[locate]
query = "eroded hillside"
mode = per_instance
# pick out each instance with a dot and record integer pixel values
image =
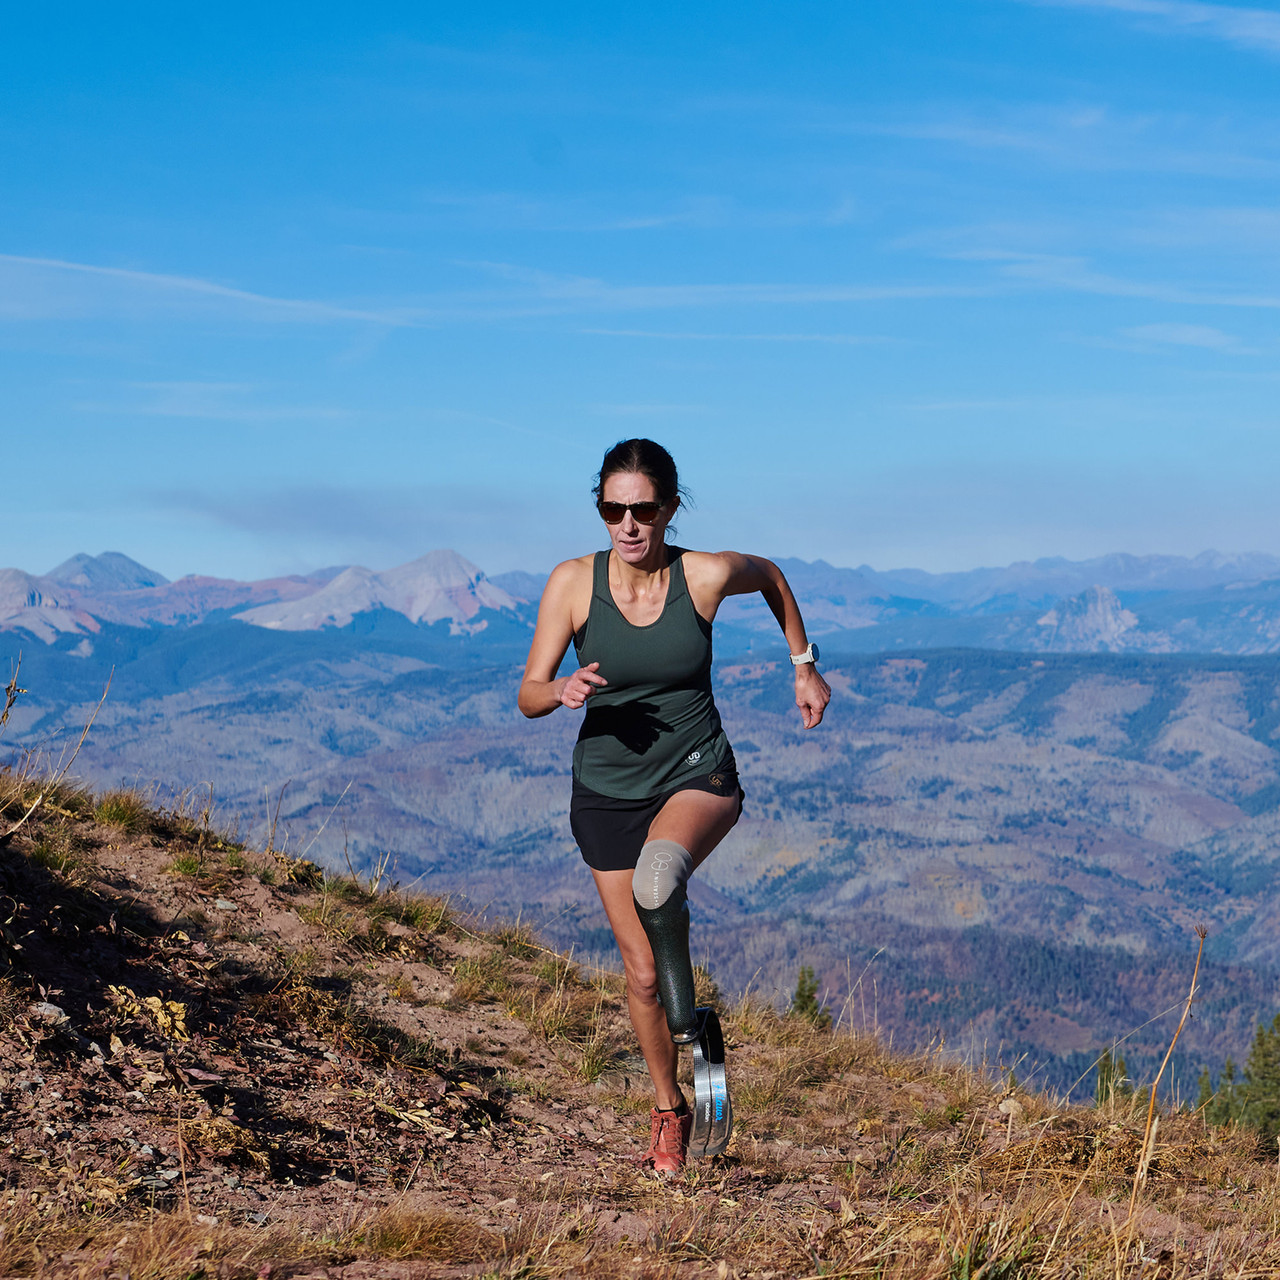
(217, 1061)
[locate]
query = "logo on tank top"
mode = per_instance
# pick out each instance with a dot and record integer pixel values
(693, 757)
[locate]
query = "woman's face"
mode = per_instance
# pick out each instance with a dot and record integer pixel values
(635, 542)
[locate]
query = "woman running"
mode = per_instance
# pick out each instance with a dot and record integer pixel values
(655, 785)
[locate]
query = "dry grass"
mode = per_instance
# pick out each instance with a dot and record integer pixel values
(443, 1237)
(848, 1161)
(347, 1024)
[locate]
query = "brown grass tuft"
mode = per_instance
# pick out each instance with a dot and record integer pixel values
(431, 1236)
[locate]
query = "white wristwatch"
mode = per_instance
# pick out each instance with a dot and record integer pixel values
(809, 655)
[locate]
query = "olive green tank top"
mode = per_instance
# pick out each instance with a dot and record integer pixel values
(655, 722)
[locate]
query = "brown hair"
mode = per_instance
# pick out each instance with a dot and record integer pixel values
(645, 458)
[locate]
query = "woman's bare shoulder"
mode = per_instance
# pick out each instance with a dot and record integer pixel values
(569, 583)
(570, 572)
(709, 568)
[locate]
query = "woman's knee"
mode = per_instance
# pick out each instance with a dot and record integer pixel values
(642, 981)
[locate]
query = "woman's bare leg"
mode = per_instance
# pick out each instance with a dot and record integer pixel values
(698, 821)
(647, 1017)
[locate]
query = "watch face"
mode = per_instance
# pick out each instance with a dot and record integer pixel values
(813, 649)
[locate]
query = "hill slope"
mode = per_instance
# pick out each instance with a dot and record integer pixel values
(221, 1062)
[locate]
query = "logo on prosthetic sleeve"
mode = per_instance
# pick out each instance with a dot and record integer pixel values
(660, 874)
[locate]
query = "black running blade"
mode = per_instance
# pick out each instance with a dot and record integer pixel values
(712, 1108)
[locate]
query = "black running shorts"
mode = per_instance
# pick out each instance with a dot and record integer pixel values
(611, 832)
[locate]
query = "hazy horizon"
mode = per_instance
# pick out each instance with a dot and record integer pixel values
(544, 569)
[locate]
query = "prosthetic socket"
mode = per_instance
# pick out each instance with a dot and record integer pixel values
(663, 907)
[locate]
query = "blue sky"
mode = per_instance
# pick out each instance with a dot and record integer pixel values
(899, 283)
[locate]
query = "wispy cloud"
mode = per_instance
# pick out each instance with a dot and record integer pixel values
(1187, 335)
(1246, 28)
(839, 339)
(649, 410)
(380, 525)
(1091, 137)
(219, 401)
(591, 293)
(20, 303)
(29, 290)
(1078, 276)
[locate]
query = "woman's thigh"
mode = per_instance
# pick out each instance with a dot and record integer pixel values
(697, 820)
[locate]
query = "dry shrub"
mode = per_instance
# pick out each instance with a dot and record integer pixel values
(434, 1235)
(226, 1140)
(295, 1002)
(11, 1002)
(400, 985)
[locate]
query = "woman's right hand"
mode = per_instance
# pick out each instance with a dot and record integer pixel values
(577, 687)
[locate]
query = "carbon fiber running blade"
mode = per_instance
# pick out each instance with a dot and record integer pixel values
(712, 1108)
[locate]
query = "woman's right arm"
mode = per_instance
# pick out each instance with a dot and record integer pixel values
(540, 691)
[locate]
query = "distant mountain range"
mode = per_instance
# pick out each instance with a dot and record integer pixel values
(86, 591)
(1013, 846)
(1115, 603)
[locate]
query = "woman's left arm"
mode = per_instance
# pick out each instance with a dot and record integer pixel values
(735, 574)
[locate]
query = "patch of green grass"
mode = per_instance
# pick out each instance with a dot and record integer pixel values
(557, 971)
(125, 810)
(478, 979)
(186, 864)
(517, 940)
(428, 915)
(57, 849)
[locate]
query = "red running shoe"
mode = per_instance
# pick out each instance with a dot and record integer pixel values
(668, 1142)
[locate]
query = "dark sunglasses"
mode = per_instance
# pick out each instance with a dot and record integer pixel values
(641, 512)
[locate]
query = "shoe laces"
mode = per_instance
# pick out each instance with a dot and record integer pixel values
(666, 1133)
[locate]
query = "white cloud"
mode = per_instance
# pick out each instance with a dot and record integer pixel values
(1246, 28)
(1186, 335)
(24, 294)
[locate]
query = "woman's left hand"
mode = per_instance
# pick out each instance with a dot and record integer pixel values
(812, 694)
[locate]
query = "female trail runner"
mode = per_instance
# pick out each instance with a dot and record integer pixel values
(655, 785)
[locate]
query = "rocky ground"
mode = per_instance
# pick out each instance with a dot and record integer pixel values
(216, 1061)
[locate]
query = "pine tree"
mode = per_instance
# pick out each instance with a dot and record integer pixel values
(1262, 1081)
(805, 1002)
(1221, 1105)
(1205, 1097)
(1113, 1079)
(1106, 1078)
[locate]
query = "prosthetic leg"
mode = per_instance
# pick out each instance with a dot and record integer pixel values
(663, 907)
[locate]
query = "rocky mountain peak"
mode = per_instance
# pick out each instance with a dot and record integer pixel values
(1095, 620)
(110, 571)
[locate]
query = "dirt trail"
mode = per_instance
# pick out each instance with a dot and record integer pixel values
(216, 1062)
